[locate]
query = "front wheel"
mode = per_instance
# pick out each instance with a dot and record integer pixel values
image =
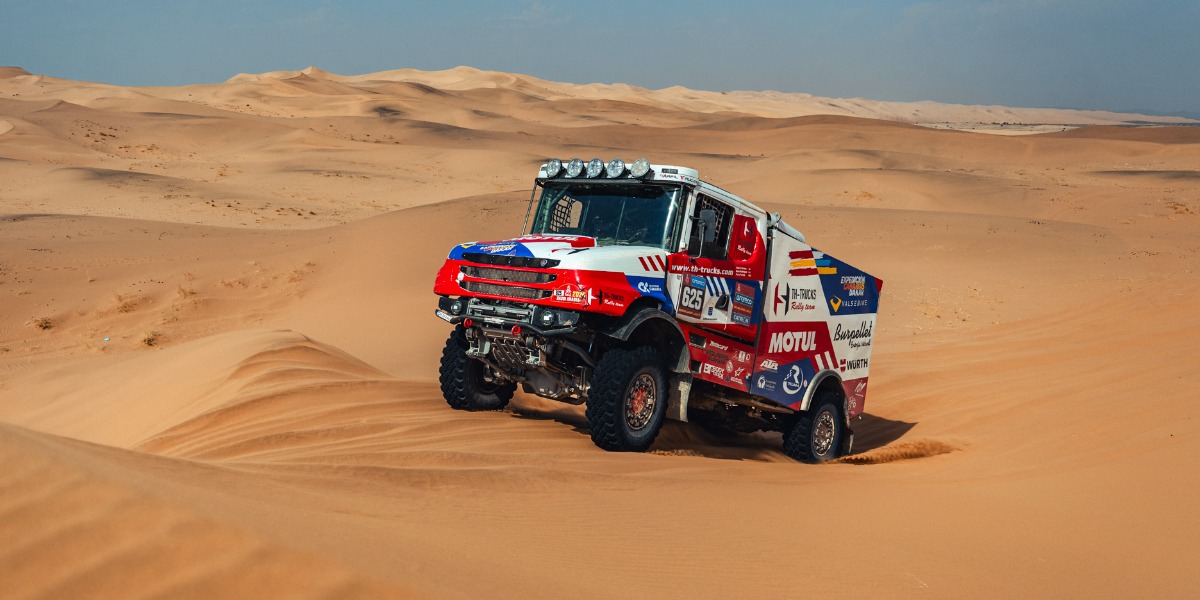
(468, 384)
(816, 435)
(627, 400)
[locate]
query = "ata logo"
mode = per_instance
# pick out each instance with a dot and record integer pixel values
(769, 365)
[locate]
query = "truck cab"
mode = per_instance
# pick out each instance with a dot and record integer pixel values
(646, 293)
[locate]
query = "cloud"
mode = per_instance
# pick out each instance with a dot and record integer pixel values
(536, 14)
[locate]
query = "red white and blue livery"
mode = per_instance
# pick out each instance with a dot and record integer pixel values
(646, 293)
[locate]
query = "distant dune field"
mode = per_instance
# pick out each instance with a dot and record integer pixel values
(218, 357)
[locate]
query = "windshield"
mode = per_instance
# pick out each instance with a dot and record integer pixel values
(621, 214)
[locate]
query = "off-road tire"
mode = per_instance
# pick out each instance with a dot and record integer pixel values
(621, 377)
(816, 434)
(463, 379)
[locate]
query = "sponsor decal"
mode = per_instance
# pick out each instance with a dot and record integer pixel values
(763, 383)
(718, 346)
(858, 363)
(794, 298)
(835, 303)
(859, 337)
(702, 270)
(715, 371)
(497, 248)
(792, 341)
(743, 356)
(572, 294)
(769, 365)
(743, 294)
(743, 303)
(854, 285)
(794, 381)
(647, 287)
(742, 272)
(548, 238)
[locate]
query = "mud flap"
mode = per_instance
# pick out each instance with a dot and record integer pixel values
(677, 400)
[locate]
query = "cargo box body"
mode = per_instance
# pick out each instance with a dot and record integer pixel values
(818, 320)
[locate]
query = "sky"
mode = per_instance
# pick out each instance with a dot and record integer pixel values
(1092, 54)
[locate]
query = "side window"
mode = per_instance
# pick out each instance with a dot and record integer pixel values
(565, 215)
(718, 249)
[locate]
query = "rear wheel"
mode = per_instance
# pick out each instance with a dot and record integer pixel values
(627, 400)
(816, 435)
(468, 384)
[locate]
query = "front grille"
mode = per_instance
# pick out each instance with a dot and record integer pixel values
(508, 275)
(511, 291)
(529, 262)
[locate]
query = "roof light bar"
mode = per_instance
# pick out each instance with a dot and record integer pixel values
(597, 169)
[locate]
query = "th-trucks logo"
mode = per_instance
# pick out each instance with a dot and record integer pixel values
(792, 341)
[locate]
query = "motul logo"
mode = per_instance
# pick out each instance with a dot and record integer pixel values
(792, 341)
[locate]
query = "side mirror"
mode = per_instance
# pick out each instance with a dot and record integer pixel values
(708, 225)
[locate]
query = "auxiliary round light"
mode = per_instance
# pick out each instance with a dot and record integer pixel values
(546, 318)
(595, 168)
(457, 306)
(574, 168)
(615, 168)
(553, 167)
(639, 169)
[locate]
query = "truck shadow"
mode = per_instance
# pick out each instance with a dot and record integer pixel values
(690, 439)
(871, 432)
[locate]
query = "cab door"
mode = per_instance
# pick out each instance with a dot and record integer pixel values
(717, 285)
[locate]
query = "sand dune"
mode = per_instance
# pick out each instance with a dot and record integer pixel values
(218, 358)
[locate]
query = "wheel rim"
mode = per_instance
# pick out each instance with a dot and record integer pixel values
(823, 432)
(483, 379)
(640, 401)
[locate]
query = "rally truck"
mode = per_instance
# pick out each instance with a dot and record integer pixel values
(645, 293)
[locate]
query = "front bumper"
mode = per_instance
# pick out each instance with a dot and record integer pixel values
(542, 320)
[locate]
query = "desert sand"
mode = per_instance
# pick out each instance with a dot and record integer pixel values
(218, 357)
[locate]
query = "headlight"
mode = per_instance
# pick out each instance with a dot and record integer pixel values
(574, 168)
(639, 169)
(616, 168)
(595, 168)
(457, 306)
(546, 319)
(553, 167)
